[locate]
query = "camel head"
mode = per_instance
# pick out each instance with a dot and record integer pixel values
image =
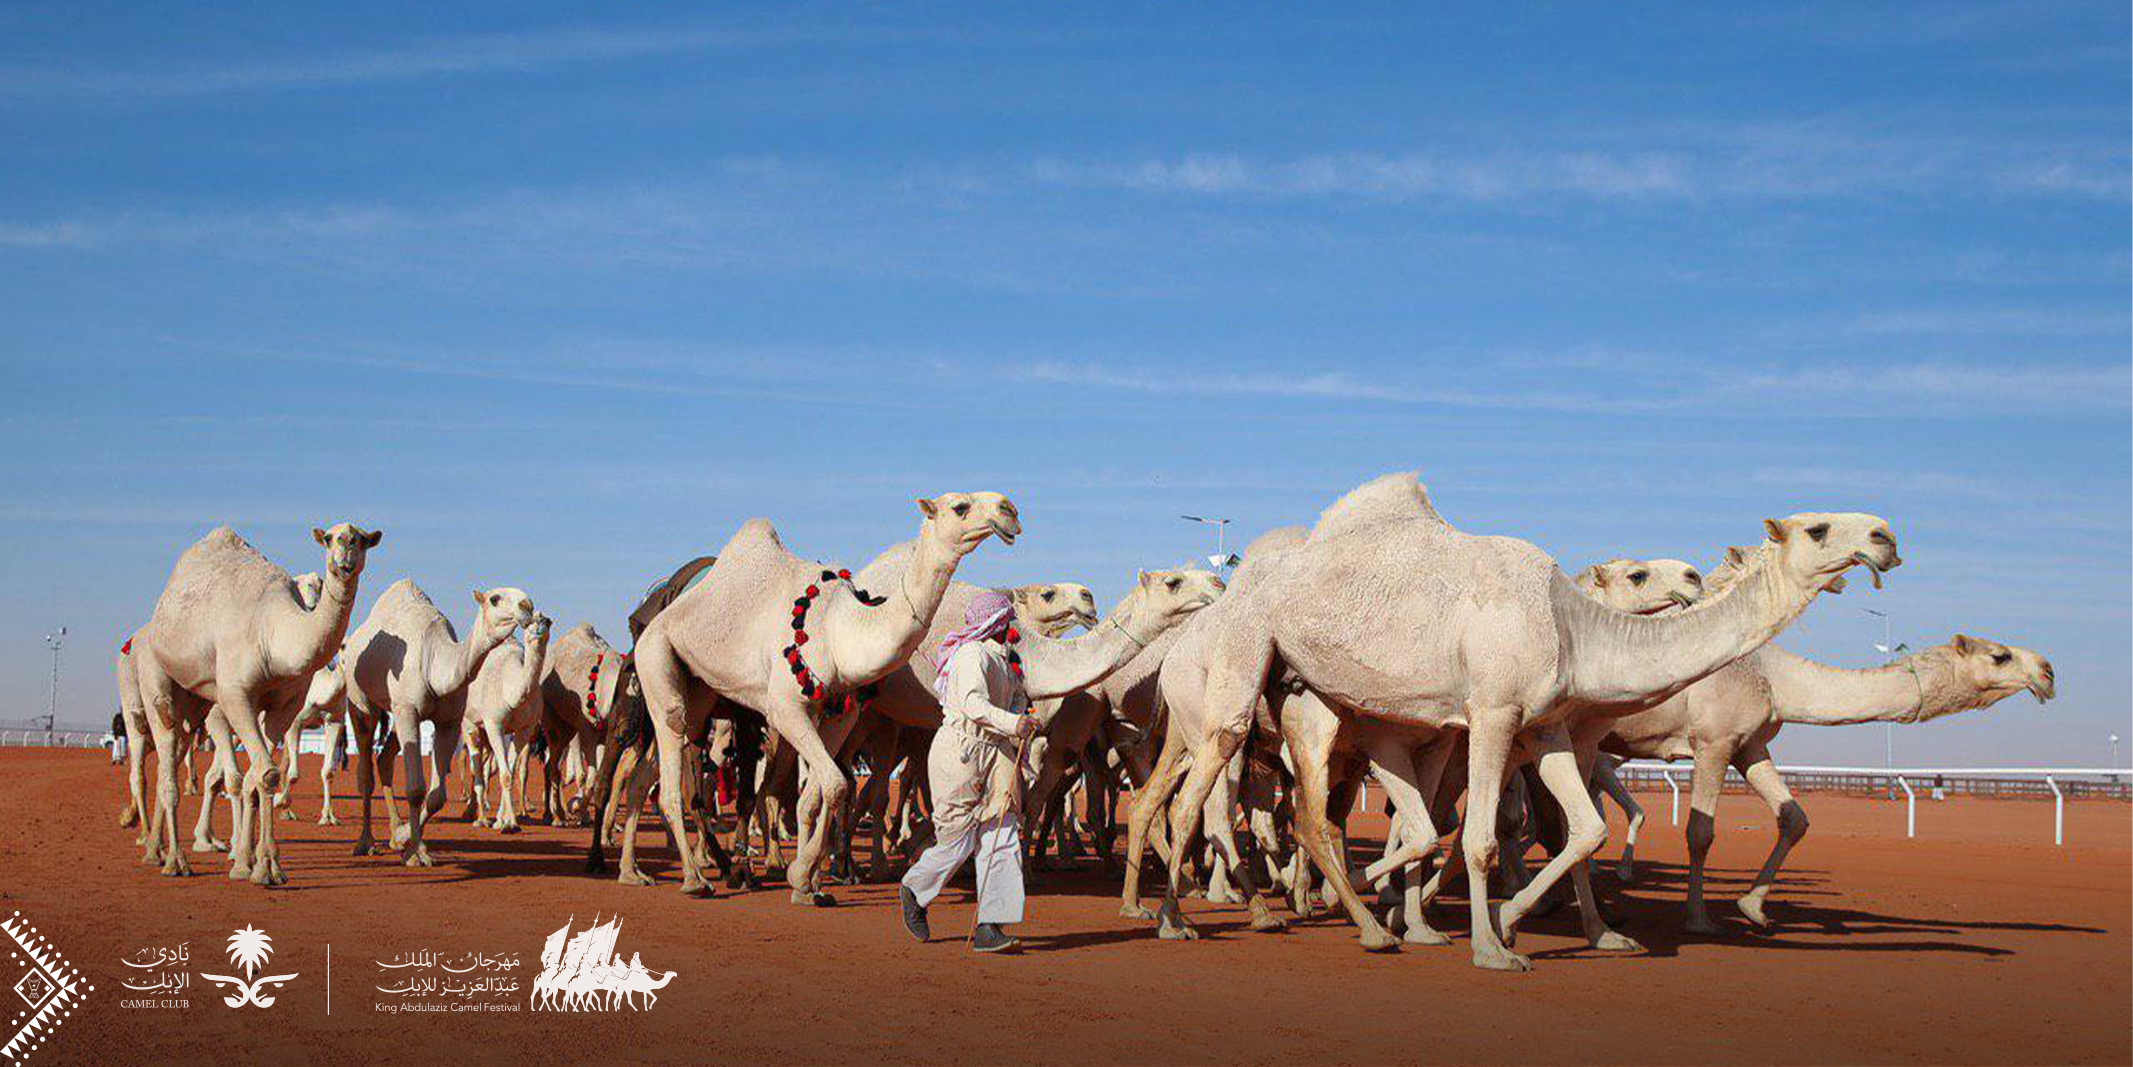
(308, 587)
(346, 545)
(1054, 609)
(1166, 597)
(503, 609)
(1642, 586)
(536, 634)
(1814, 548)
(1996, 671)
(960, 522)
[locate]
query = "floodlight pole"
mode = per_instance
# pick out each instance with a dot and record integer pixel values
(51, 718)
(1221, 533)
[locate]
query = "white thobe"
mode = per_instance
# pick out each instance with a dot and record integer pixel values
(977, 784)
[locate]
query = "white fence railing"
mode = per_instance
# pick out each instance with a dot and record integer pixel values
(51, 739)
(2059, 782)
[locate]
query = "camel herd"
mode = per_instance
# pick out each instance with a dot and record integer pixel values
(1488, 694)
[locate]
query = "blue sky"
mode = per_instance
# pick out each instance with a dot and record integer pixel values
(558, 294)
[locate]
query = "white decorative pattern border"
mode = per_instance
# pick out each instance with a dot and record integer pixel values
(34, 1022)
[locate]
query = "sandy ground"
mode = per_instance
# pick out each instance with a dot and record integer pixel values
(1977, 942)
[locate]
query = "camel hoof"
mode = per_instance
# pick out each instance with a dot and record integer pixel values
(240, 873)
(418, 856)
(1626, 872)
(329, 819)
(1506, 928)
(512, 828)
(740, 879)
(1221, 896)
(594, 864)
(129, 817)
(210, 845)
(1131, 910)
(287, 815)
(1266, 922)
(1424, 935)
(175, 867)
(633, 876)
(1379, 939)
(1752, 909)
(699, 889)
(401, 835)
(366, 846)
(1177, 933)
(1701, 925)
(268, 874)
(1614, 942)
(1501, 961)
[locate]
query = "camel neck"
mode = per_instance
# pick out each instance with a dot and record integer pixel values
(1629, 662)
(867, 642)
(1912, 689)
(1054, 667)
(305, 638)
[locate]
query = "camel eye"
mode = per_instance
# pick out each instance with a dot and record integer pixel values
(1638, 577)
(1048, 595)
(962, 511)
(1693, 577)
(494, 599)
(1879, 537)
(2001, 658)
(1819, 532)
(1173, 584)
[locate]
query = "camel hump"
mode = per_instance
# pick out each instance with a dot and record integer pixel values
(584, 631)
(1388, 498)
(404, 590)
(755, 535)
(1279, 537)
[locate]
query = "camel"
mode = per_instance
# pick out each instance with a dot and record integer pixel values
(1387, 610)
(406, 661)
(504, 708)
(579, 687)
(1730, 718)
(638, 979)
(231, 631)
(724, 640)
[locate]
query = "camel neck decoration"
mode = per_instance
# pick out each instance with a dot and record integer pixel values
(810, 686)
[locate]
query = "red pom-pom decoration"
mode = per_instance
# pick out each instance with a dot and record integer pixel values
(799, 639)
(846, 575)
(1013, 635)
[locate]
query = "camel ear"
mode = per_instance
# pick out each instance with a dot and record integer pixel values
(1774, 530)
(1143, 578)
(478, 601)
(1737, 556)
(927, 507)
(1964, 644)
(1594, 576)
(318, 535)
(371, 539)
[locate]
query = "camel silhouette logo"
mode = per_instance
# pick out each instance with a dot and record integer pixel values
(583, 972)
(249, 949)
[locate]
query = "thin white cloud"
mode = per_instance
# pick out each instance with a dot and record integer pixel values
(470, 54)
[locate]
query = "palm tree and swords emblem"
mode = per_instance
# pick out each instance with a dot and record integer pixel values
(249, 949)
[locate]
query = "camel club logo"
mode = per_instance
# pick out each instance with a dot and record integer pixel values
(249, 949)
(583, 972)
(49, 989)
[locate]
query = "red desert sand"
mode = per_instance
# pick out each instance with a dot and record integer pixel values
(1977, 942)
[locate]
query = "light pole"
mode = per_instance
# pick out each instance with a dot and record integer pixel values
(1889, 650)
(51, 718)
(2114, 752)
(1221, 558)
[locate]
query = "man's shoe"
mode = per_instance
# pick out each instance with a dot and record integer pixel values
(988, 937)
(914, 914)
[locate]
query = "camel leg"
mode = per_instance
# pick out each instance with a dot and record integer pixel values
(164, 703)
(389, 755)
(1488, 753)
(1755, 765)
(1604, 776)
(219, 774)
(1705, 782)
(407, 729)
(366, 760)
(1309, 727)
(334, 743)
(136, 780)
(504, 759)
(1219, 815)
(1558, 766)
(255, 855)
(1149, 803)
(444, 743)
(670, 805)
(291, 773)
(1392, 764)
(635, 776)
